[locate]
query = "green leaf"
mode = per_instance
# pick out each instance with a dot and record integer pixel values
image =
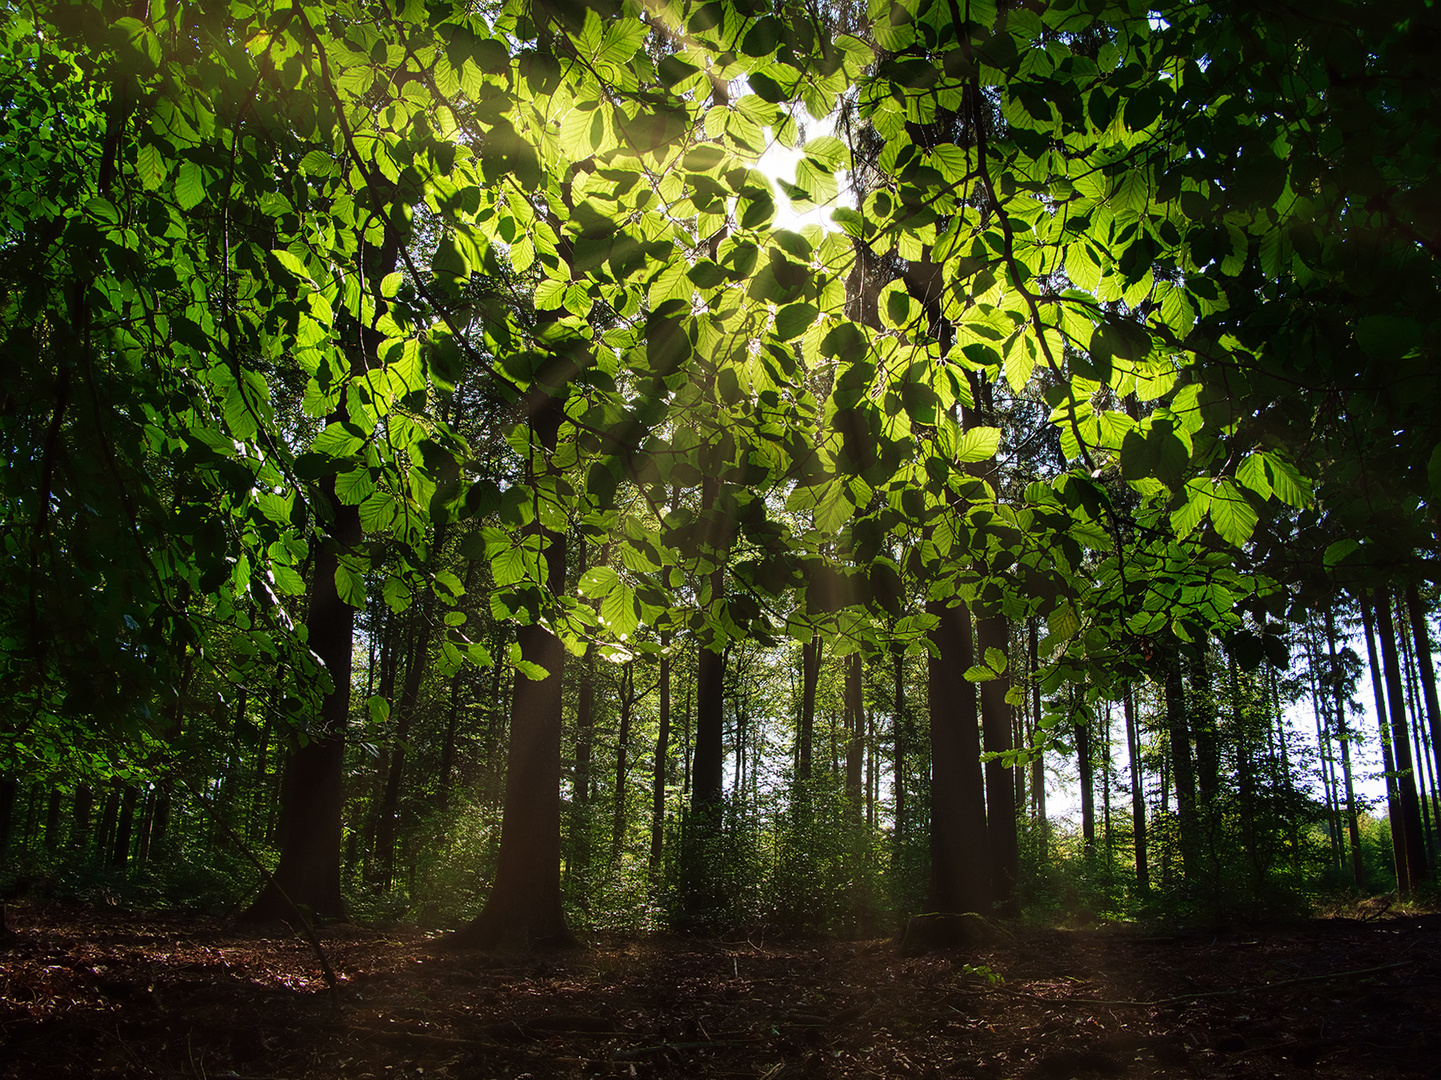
(286, 579)
(598, 582)
(151, 167)
(532, 671)
(291, 262)
(1063, 622)
(397, 594)
(1194, 507)
(1233, 516)
(350, 585)
(1337, 551)
(978, 444)
(794, 320)
(103, 209)
(619, 611)
(1157, 452)
(190, 187)
(447, 580)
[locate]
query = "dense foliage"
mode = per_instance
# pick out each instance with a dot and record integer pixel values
(417, 421)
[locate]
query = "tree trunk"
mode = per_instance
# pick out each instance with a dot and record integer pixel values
(1414, 836)
(1086, 765)
(9, 791)
(1393, 795)
(1324, 755)
(1421, 635)
(960, 853)
(415, 668)
(106, 834)
(1038, 763)
(855, 711)
(622, 765)
(805, 736)
(662, 759)
(1343, 732)
(52, 820)
(1202, 713)
(120, 847)
(1001, 828)
(524, 907)
(1183, 776)
(312, 798)
(1138, 798)
(898, 765)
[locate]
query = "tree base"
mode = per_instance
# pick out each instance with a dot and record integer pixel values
(489, 933)
(943, 930)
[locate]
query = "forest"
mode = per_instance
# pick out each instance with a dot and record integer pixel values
(451, 483)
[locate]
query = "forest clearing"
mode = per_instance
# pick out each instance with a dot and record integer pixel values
(93, 994)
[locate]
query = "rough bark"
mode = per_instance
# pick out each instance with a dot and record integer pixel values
(960, 880)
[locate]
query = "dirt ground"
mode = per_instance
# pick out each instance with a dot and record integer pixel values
(105, 994)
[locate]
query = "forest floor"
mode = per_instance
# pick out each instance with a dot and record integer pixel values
(86, 993)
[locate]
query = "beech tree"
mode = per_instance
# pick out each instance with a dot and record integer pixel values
(274, 241)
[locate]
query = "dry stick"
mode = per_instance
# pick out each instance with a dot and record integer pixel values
(1203, 994)
(329, 972)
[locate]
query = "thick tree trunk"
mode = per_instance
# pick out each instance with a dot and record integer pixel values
(1001, 825)
(312, 798)
(960, 852)
(1183, 775)
(524, 907)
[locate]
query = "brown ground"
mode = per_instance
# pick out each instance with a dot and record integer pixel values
(87, 994)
